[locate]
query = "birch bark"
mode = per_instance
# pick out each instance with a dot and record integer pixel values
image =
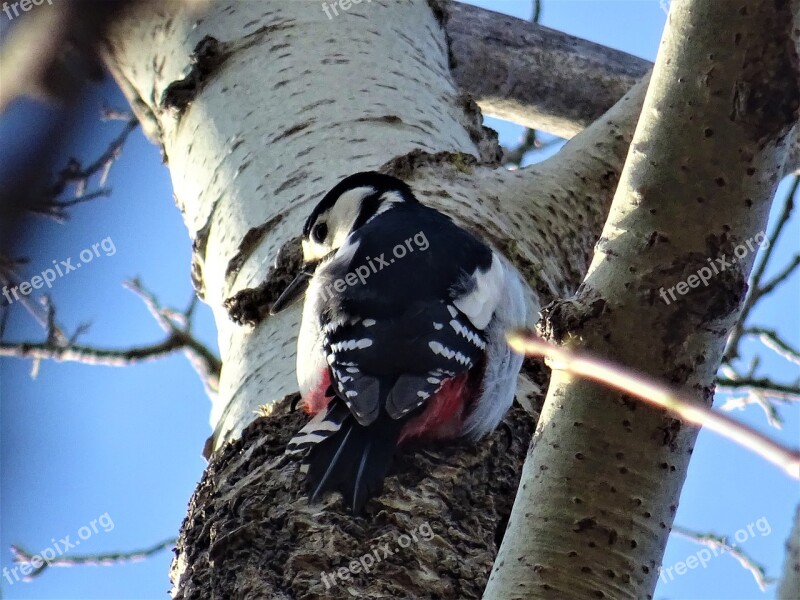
(601, 484)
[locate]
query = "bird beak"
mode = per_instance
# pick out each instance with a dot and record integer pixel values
(295, 290)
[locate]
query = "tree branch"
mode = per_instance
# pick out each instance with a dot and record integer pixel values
(536, 76)
(720, 543)
(544, 79)
(597, 456)
(775, 342)
(761, 384)
(654, 392)
(38, 564)
(177, 325)
(78, 176)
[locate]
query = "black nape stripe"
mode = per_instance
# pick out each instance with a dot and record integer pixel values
(380, 182)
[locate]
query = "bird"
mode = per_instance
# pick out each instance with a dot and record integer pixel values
(402, 334)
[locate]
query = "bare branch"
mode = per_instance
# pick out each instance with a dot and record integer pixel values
(545, 79)
(513, 157)
(754, 292)
(720, 544)
(787, 393)
(9, 277)
(60, 347)
(204, 362)
(38, 564)
(79, 177)
(774, 418)
(90, 355)
(773, 341)
(779, 278)
(650, 390)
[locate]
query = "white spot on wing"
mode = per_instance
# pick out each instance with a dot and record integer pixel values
(438, 348)
(470, 335)
(351, 345)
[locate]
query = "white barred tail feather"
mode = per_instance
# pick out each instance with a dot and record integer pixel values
(345, 456)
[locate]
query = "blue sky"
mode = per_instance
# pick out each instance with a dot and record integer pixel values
(121, 446)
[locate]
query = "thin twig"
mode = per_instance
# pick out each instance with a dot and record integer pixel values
(204, 362)
(650, 390)
(720, 544)
(787, 393)
(779, 278)
(773, 341)
(754, 291)
(73, 173)
(59, 347)
(38, 564)
(774, 418)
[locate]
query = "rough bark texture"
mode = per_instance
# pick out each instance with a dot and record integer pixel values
(253, 532)
(601, 485)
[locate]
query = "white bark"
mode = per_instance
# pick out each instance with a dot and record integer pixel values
(271, 132)
(600, 488)
(295, 102)
(260, 107)
(789, 585)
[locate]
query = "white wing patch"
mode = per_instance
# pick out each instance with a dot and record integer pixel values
(488, 286)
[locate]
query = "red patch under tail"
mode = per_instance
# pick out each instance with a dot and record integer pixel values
(443, 416)
(316, 400)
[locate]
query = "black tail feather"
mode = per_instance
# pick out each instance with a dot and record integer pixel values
(353, 460)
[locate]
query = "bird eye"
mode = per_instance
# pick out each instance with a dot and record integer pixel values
(319, 232)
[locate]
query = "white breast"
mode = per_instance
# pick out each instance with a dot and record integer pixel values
(311, 363)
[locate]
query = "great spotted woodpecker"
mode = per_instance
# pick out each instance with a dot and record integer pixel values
(402, 334)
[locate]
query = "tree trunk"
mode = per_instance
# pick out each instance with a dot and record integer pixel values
(261, 107)
(602, 483)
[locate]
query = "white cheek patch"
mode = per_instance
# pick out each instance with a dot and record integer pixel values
(344, 213)
(480, 303)
(313, 251)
